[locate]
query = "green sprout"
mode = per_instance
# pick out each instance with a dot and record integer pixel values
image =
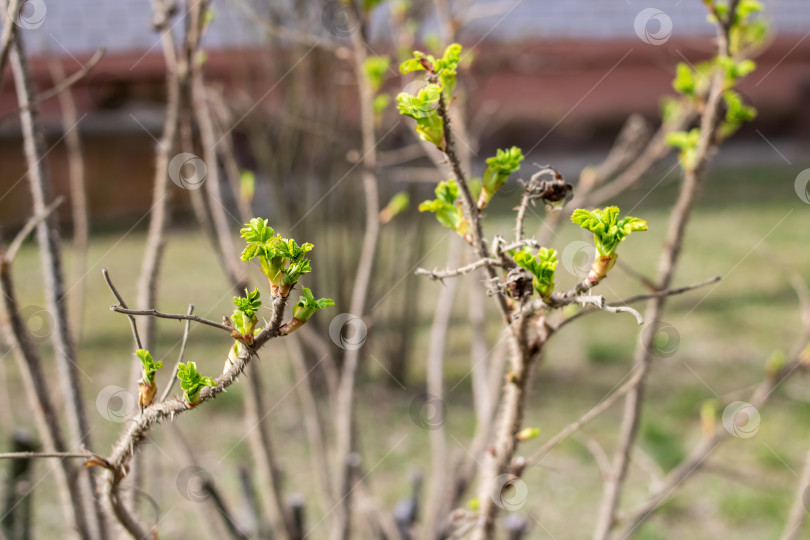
(304, 309)
(441, 78)
(498, 170)
(447, 209)
(150, 367)
(608, 232)
(244, 316)
(247, 185)
(191, 382)
(146, 386)
(687, 143)
(444, 69)
(374, 69)
(541, 267)
(422, 108)
(398, 204)
(281, 260)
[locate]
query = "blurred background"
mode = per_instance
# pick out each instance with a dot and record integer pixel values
(558, 79)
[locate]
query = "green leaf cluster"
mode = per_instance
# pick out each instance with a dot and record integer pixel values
(374, 70)
(422, 108)
(444, 68)
(499, 167)
(608, 230)
(191, 382)
(737, 112)
(447, 208)
(687, 143)
(542, 267)
(244, 317)
(150, 367)
(282, 260)
(307, 305)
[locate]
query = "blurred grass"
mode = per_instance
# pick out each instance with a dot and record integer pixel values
(748, 227)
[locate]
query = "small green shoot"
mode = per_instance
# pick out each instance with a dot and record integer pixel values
(191, 382)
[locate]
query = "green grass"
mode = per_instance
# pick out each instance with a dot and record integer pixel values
(748, 227)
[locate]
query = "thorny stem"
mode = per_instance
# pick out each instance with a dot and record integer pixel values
(138, 429)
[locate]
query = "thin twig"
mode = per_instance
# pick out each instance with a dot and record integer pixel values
(132, 323)
(41, 186)
(183, 343)
(30, 225)
(40, 400)
(60, 86)
(138, 429)
(344, 425)
(9, 11)
(78, 190)
(174, 316)
(614, 485)
(639, 298)
(798, 510)
(453, 272)
(37, 455)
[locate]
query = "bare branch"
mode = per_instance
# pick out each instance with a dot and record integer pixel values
(798, 510)
(41, 187)
(640, 298)
(137, 430)
(693, 176)
(38, 455)
(183, 344)
(454, 272)
(175, 316)
(132, 323)
(60, 86)
(30, 225)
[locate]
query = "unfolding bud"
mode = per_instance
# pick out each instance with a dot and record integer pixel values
(230, 361)
(601, 266)
(527, 434)
(776, 361)
(708, 417)
(290, 327)
(191, 382)
(804, 356)
(146, 393)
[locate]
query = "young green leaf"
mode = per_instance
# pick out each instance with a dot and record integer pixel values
(247, 185)
(307, 305)
(499, 167)
(244, 317)
(447, 211)
(260, 239)
(608, 230)
(446, 68)
(398, 204)
(687, 142)
(422, 108)
(249, 304)
(374, 70)
(542, 267)
(150, 367)
(191, 382)
(281, 259)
